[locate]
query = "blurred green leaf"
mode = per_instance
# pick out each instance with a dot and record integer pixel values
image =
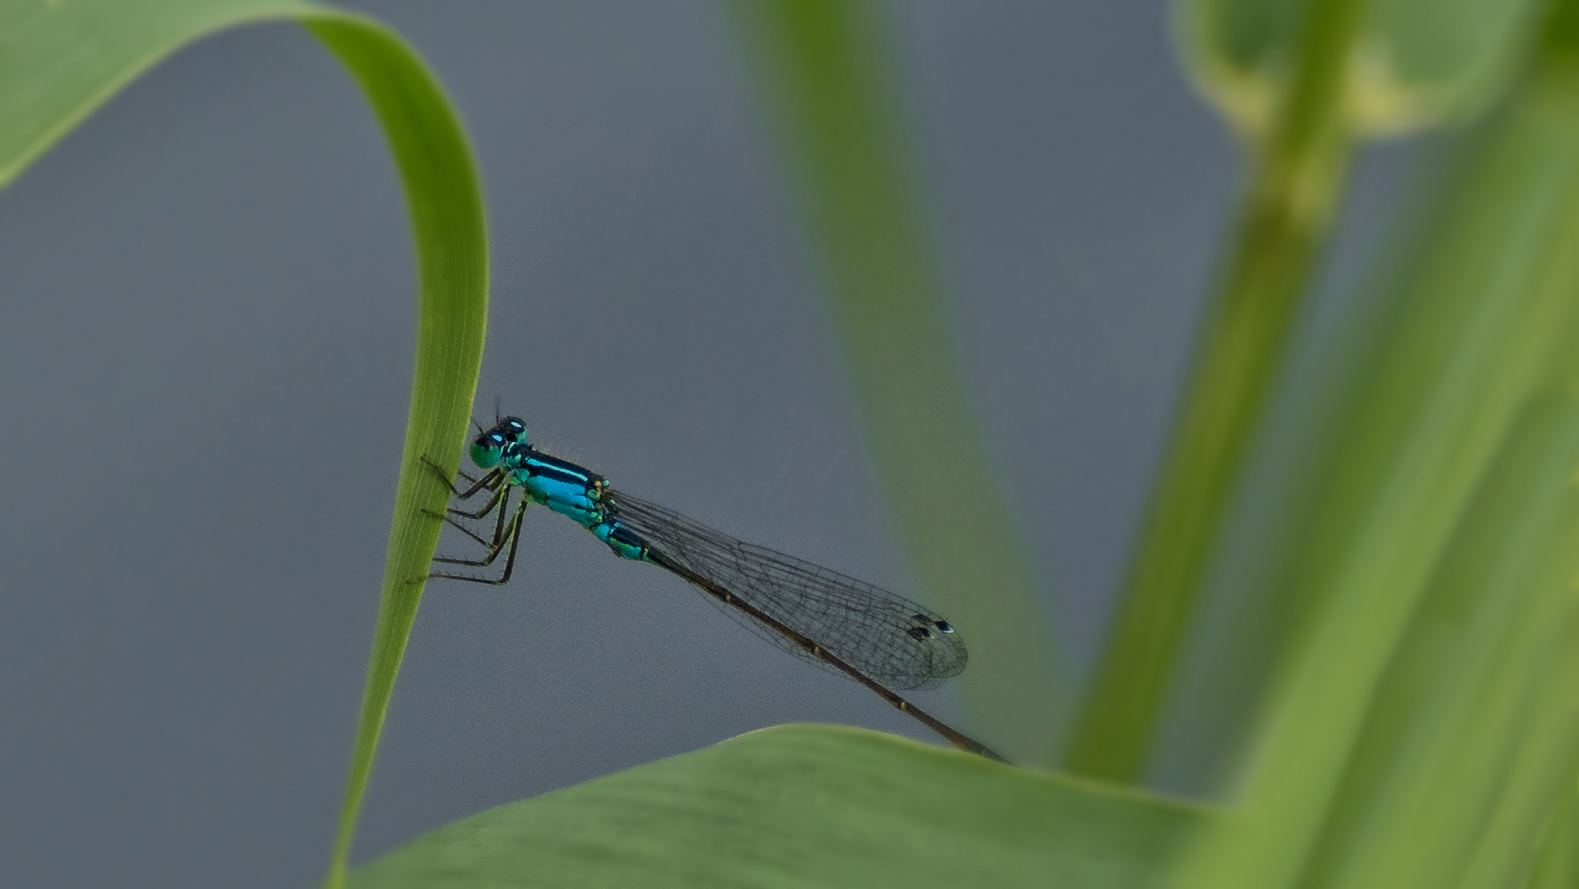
(1421, 62)
(1485, 329)
(1473, 732)
(60, 60)
(1471, 246)
(1558, 864)
(828, 77)
(806, 806)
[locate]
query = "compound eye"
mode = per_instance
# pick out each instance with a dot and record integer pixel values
(487, 450)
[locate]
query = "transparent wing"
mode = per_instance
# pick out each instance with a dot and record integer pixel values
(888, 637)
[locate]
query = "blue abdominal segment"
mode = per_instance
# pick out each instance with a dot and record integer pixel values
(622, 540)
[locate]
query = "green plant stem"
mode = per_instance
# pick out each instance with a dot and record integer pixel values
(1282, 223)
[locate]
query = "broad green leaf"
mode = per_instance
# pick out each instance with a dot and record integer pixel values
(853, 171)
(1418, 63)
(806, 806)
(60, 60)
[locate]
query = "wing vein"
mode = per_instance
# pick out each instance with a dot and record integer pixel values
(896, 641)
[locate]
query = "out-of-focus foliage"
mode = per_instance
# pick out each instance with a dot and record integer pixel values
(1297, 169)
(1418, 62)
(825, 70)
(1420, 726)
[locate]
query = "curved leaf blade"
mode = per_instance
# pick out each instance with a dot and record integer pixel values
(59, 61)
(445, 200)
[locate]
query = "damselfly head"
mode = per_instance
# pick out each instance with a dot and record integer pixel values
(490, 445)
(512, 428)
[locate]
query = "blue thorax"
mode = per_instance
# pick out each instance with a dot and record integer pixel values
(571, 490)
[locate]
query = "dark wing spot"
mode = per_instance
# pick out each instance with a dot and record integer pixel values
(919, 633)
(943, 626)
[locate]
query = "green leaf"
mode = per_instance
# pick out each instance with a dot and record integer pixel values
(1471, 736)
(806, 806)
(1484, 330)
(1482, 254)
(1420, 62)
(61, 60)
(1558, 864)
(827, 76)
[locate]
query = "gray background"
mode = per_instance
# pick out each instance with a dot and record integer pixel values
(208, 336)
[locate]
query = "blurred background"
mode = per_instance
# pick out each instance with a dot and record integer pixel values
(210, 329)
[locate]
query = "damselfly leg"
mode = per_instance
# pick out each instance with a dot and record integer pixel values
(492, 480)
(506, 531)
(504, 536)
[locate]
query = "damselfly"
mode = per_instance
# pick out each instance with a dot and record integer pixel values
(879, 639)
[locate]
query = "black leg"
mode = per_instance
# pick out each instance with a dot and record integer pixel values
(501, 499)
(494, 548)
(504, 508)
(490, 481)
(499, 494)
(512, 536)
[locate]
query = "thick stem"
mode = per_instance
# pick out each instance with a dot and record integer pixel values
(1282, 223)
